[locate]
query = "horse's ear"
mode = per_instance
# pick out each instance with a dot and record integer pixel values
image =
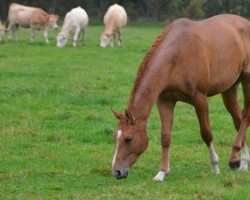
(129, 117)
(117, 114)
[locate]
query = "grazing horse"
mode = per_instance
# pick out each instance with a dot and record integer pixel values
(189, 61)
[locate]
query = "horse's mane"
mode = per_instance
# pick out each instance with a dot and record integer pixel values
(145, 63)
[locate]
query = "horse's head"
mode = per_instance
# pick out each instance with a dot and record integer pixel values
(53, 21)
(131, 141)
(106, 38)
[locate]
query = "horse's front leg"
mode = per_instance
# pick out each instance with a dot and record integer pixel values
(201, 108)
(32, 35)
(45, 35)
(166, 111)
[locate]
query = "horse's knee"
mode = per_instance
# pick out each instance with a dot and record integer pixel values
(246, 116)
(165, 140)
(207, 137)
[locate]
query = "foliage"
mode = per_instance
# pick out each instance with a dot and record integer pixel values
(56, 126)
(153, 10)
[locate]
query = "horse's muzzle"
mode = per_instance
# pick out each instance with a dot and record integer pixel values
(119, 175)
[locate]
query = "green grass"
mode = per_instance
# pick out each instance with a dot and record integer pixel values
(56, 126)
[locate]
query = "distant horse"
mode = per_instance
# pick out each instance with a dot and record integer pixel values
(188, 62)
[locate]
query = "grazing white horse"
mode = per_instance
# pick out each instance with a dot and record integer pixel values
(114, 20)
(75, 22)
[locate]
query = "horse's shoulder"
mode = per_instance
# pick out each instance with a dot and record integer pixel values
(183, 29)
(183, 21)
(183, 24)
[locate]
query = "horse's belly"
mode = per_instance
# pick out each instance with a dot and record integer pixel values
(223, 80)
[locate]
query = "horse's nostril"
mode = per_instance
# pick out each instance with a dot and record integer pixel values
(126, 174)
(118, 174)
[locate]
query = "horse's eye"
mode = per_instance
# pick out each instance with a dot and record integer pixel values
(128, 140)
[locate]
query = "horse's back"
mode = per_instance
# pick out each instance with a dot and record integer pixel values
(209, 54)
(213, 34)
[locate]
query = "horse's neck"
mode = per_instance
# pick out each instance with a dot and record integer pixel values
(142, 100)
(150, 81)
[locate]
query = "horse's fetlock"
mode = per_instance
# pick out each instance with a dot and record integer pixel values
(237, 147)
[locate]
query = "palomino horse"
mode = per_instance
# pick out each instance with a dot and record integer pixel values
(188, 62)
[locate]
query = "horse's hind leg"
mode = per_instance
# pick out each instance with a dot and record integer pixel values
(166, 110)
(231, 103)
(240, 140)
(201, 108)
(84, 36)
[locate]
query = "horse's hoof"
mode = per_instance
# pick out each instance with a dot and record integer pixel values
(234, 165)
(160, 176)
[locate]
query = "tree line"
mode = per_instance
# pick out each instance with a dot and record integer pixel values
(140, 10)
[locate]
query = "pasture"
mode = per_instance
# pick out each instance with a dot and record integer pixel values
(56, 126)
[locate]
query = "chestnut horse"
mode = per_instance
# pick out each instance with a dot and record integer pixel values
(189, 61)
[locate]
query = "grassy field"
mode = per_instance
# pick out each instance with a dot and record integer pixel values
(56, 126)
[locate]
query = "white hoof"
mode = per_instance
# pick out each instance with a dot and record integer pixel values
(216, 169)
(245, 158)
(244, 163)
(243, 166)
(160, 176)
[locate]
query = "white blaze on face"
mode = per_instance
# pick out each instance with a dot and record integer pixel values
(119, 134)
